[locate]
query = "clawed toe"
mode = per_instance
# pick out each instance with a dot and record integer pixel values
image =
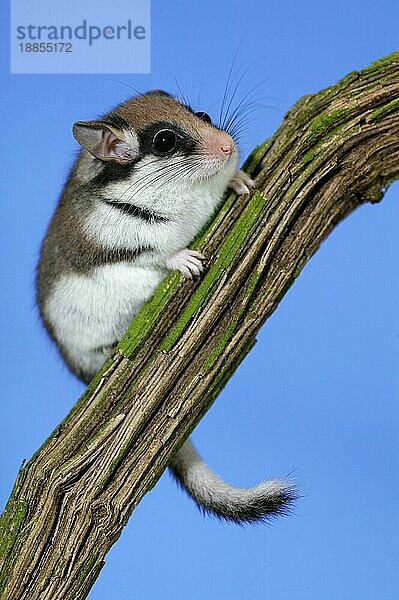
(241, 183)
(188, 262)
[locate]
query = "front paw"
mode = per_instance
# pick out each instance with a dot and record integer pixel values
(188, 262)
(241, 183)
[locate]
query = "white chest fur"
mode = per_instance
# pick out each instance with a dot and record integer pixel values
(186, 209)
(89, 313)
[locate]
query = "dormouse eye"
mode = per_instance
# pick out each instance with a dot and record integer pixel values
(204, 117)
(164, 141)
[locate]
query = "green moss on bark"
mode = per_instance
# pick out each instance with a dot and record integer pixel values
(385, 110)
(233, 243)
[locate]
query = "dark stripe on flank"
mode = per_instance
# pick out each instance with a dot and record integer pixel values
(145, 214)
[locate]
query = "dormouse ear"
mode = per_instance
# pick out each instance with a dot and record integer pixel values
(105, 141)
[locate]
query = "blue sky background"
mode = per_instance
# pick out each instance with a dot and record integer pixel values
(318, 393)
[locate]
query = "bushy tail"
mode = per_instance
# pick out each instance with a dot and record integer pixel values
(215, 496)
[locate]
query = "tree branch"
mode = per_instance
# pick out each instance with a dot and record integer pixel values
(334, 151)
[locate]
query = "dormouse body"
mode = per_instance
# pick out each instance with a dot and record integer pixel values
(149, 176)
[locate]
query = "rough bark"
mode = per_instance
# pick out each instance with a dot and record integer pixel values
(334, 151)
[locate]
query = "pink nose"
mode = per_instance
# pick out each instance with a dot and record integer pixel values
(219, 144)
(226, 149)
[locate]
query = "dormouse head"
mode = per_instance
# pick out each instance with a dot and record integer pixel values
(158, 133)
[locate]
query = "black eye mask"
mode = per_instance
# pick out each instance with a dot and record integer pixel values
(164, 139)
